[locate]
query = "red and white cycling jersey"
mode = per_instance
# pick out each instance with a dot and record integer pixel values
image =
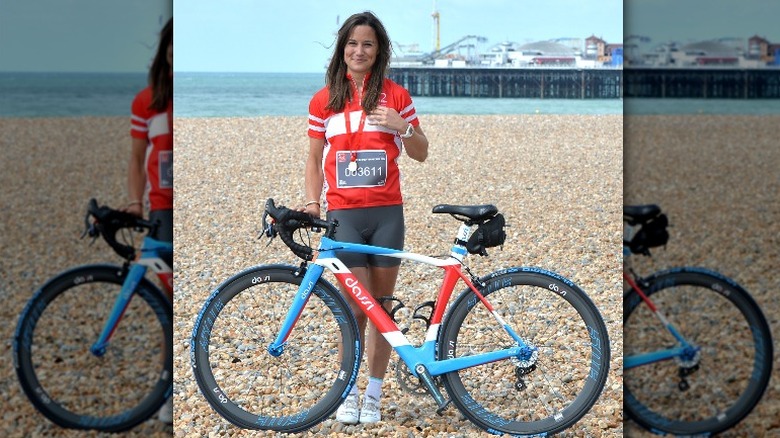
(156, 128)
(376, 181)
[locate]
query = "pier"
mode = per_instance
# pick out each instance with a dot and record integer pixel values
(536, 82)
(708, 83)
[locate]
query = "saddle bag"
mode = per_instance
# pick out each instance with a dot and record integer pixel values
(489, 234)
(652, 234)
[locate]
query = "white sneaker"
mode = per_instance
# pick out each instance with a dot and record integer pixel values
(165, 414)
(369, 413)
(348, 411)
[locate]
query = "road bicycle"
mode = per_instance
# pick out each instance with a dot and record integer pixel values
(698, 354)
(88, 355)
(521, 351)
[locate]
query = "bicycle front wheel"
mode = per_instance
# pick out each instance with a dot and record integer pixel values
(717, 387)
(287, 392)
(69, 384)
(561, 381)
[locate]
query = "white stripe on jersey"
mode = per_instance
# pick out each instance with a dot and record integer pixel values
(406, 110)
(316, 119)
(336, 125)
(158, 125)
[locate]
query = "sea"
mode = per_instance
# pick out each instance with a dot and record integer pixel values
(288, 94)
(68, 94)
(280, 94)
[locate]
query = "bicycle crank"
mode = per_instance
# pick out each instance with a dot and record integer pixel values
(408, 381)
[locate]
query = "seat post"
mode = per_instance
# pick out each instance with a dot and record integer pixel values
(458, 250)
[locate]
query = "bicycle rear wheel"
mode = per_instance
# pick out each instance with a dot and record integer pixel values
(547, 394)
(709, 393)
(73, 387)
(250, 387)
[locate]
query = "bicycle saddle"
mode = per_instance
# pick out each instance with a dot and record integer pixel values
(634, 214)
(472, 212)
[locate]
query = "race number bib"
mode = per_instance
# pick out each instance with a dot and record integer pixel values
(165, 167)
(368, 170)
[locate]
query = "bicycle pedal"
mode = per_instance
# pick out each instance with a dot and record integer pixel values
(440, 410)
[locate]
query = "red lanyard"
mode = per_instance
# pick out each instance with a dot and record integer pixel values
(347, 118)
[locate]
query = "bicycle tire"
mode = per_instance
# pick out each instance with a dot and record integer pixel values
(67, 383)
(700, 303)
(547, 311)
(248, 386)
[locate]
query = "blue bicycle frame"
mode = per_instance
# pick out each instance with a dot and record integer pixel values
(150, 257)
(685, 351)
(421, 360)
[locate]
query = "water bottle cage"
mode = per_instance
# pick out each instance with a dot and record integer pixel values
(391, 313)
(416, 315)
(427, 319)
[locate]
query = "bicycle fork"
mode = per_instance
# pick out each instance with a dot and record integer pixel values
(133, 278)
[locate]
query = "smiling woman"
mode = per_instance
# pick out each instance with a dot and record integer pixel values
(360, 53)
(359, 125)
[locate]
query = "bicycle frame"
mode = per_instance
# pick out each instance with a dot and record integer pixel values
(421, 360)
(149, 257)
(685, 350)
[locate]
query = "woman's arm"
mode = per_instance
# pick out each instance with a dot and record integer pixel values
(417, 145)
(313, 177)
(136, 177)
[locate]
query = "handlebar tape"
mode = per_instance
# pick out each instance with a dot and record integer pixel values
(287, 222)
(110, 221)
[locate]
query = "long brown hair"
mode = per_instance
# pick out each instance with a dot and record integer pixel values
(336, 77)
(160, 78)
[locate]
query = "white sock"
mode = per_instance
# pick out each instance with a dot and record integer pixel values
(374, 388)
(354, 390)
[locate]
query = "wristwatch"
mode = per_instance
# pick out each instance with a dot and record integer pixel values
(409, 131)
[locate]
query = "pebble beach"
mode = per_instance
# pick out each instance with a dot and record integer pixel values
(716, 177)
(557, 179)
(50, 169)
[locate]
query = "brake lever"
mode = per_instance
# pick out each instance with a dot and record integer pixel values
(92, 232)
(90, 229)
(268, 229)
(87, 226)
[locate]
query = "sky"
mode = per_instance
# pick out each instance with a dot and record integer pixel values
(297, 35)
(699, 20)
(80, 35)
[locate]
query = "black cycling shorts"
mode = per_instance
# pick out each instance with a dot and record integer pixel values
(377, 226)
(164, 219)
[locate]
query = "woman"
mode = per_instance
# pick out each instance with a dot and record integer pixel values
(363, 119)
(151, 156)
